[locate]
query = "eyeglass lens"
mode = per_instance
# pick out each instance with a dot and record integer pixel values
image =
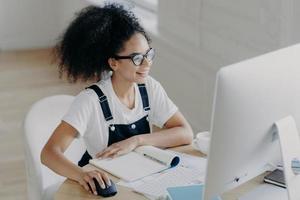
(138, 59)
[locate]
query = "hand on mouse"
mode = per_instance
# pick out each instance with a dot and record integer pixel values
(119, 148)
(86, 178)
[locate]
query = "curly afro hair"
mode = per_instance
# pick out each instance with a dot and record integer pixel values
(95, 35)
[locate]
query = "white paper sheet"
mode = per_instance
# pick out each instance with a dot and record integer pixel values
(191, 169)
(178, 176)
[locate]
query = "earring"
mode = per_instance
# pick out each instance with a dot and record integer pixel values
(110, 73)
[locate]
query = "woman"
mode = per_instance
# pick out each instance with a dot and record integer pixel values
(115, 114)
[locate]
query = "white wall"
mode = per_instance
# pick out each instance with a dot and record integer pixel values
(27, 24)
(67, 10)
(34, 23)
(197, 37)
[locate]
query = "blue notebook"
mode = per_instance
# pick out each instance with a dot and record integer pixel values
(190, 192)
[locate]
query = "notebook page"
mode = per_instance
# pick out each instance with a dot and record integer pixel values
(177, 176)
(130, 167)
(163, 156)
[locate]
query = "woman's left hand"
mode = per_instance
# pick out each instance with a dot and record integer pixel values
(119, 148)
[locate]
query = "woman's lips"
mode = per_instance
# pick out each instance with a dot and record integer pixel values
(143, 74)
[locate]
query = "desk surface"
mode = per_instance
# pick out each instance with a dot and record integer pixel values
(71, 190)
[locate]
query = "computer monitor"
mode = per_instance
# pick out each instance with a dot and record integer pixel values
(249, 97)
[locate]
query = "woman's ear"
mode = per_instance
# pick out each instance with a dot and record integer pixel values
(113, 64)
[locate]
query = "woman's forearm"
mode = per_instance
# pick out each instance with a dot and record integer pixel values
(56, 161)
(167, 138)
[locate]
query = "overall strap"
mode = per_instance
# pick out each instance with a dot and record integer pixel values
(103, 102)
(144, 95)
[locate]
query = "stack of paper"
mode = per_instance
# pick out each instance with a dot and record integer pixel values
(178, 176)
(191, 170)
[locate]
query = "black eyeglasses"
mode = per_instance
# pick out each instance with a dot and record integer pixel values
(138, 58)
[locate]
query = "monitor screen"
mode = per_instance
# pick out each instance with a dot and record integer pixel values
(249, 97)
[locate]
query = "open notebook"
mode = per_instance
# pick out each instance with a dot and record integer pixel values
(141, 162)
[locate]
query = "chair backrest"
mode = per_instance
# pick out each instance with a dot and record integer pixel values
(39, 124)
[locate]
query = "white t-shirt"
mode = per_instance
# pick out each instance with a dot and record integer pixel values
(86, 116)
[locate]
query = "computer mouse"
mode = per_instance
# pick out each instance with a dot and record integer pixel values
(108, 191)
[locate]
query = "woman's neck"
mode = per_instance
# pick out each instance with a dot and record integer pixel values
(122, 88)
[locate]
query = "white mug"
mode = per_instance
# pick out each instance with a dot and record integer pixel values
(202, 141)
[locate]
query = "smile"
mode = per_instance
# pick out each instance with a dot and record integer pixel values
(142, 73)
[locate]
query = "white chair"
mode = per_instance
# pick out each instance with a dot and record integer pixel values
(40, 122)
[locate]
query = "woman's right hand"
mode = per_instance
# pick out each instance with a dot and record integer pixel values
(86, 178)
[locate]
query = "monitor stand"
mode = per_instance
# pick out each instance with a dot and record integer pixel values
(289, 139)
(290, 150)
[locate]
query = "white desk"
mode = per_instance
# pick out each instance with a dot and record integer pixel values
(71, 190)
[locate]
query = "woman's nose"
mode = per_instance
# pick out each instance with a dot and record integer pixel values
(146, 63)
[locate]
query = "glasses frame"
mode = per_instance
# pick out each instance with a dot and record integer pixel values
(131, 57)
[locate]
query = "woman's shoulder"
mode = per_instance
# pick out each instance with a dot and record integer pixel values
(86, 96)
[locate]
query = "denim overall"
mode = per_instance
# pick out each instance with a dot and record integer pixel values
(119, 132)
